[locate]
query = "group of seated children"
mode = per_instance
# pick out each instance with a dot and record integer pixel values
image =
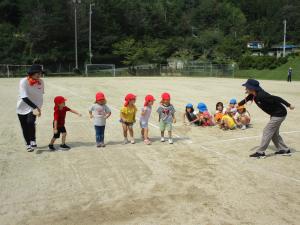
(229, 118)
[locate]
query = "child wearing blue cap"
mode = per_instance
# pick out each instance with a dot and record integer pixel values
(204, 117)
(190, 115)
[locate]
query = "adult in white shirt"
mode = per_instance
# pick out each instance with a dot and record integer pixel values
(31, 91)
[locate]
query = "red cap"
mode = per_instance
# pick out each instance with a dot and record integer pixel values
(128, 98)
(100, 96)
(149, 98)
(165, 96)
(59, 100)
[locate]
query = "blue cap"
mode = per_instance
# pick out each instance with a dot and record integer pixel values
(189, 105)
(202, 107)
(233, 101)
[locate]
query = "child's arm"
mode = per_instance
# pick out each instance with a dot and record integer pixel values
(144, 111)
(174, 118)
(75, 112)
(108, 115)
(122, 117)
(91, 114)
(55, 127)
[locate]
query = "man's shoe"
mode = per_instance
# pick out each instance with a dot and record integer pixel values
(257, 155)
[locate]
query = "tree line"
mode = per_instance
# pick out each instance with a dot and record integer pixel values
(131, 32)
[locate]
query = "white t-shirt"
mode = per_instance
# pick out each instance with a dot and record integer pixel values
(99, 113)
(34, 93)
(145, 118)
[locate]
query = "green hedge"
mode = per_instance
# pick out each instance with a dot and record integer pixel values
(261, 62)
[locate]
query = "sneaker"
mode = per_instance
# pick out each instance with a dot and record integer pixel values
(29, 148)
(257, 155)
(132, 141)
(51, 148)
(162, 139)
(283, 152)
(125, 141)
(103, 145)
(170, 141)
(64, 146)
(244, 127)
(99, 145)
(33, 144)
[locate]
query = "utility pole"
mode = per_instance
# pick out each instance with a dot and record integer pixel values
(284, 37)
(76, 2)
(90, 32)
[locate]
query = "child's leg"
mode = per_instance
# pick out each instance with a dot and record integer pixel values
(146, 132)
(245, 120)
(130, 128)
(52, 141)
(97, 130)
(143, 133)
(102, 130)
(63, 138)
(125, 129)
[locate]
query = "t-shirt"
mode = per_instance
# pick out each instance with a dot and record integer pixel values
(145, 118)
(99, 113)
(229, 120)
(238, 115)
(166, 113)
(60, 116)
(129, 113)
(191, 116)
(34, 93)
(207, 119)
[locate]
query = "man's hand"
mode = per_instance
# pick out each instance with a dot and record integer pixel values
(292, 107)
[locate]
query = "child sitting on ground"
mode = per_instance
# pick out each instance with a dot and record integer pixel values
(60, 111)
(204, 117)
(166, 112)
(232, 103)
(242, 117)
(99, 111)
(127, 114)
(227, 122)
(220, 111)
(190, 115)
(145, 116)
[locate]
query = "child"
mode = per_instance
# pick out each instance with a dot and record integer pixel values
(190, 115)
(60, 111)
(219, 112)
(232, 103)
(166, 112)
(100, 112)
(204, 116)
(227, 121)
(145, 115)
(242, 117)
(127, 114)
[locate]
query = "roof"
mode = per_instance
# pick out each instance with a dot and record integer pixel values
(286, 46)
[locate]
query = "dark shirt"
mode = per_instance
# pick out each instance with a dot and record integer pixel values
(270, 104)
(60, 116)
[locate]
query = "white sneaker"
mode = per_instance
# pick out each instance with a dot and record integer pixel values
(244, 127)
(170, 141)
(162, 139)
(132, 141)
(29, 148)
(33, 144)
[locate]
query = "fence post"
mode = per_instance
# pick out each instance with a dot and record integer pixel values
(211, 69)
(7, 68)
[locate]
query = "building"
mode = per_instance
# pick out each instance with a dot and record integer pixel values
(256, 47)
(277, 50)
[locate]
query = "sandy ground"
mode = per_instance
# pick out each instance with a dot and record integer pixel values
(206, 177)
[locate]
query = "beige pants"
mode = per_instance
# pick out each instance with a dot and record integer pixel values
(271, 132)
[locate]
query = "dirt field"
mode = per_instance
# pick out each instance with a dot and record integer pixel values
(205, 178)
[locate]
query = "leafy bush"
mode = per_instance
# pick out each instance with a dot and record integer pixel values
(261, 62)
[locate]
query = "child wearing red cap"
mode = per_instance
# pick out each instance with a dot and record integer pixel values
(144, 118)
(166, 112)
(127, 114)
(60, 111)
(99, 111)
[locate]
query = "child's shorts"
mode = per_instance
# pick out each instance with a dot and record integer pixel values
(144, 124)
(60, 130)
(128, 124)
(165, 126)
